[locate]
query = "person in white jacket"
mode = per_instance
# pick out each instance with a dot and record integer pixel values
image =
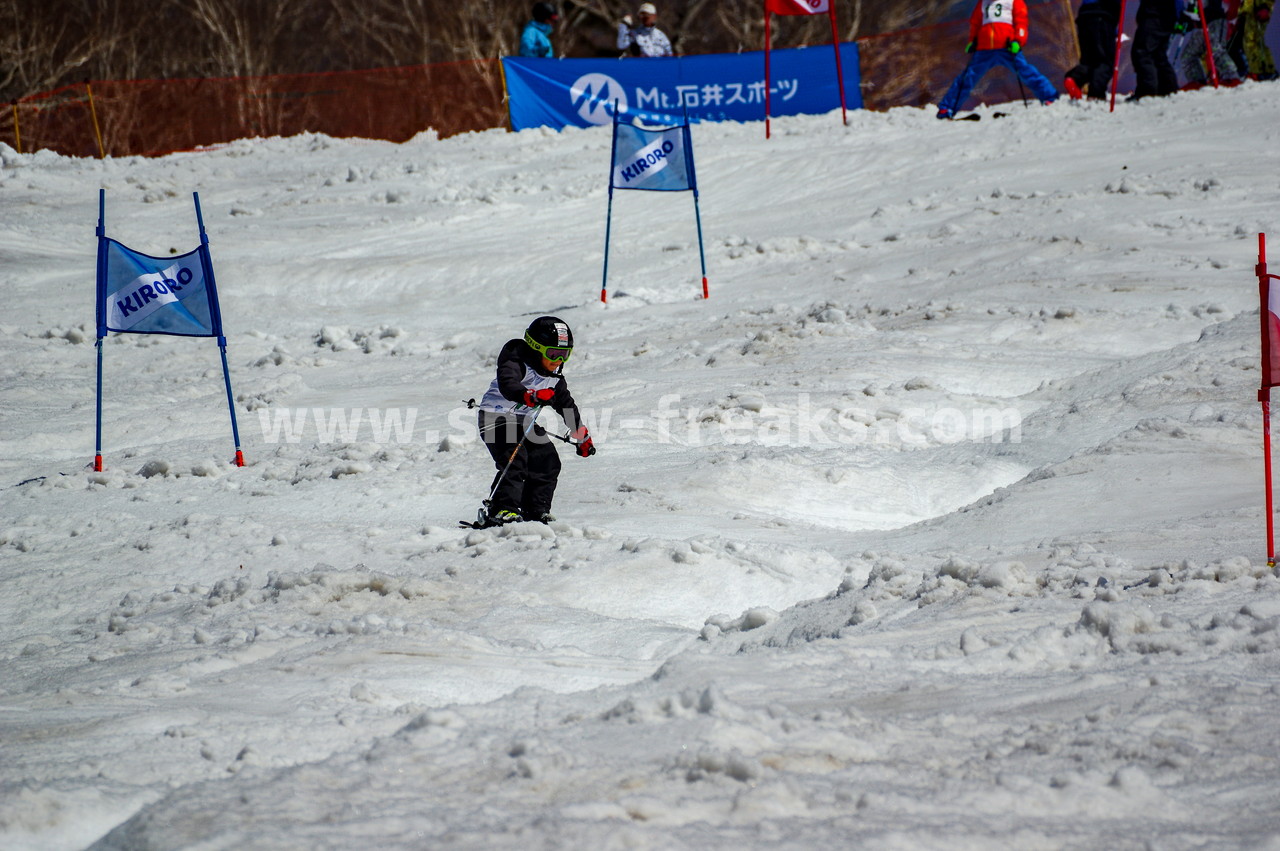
(646, 39)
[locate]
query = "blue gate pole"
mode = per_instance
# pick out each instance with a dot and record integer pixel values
(697, 214)
(608, 220)
(226, 375)
(702, 256)
(216, 315)
(102, 330)
(97, 444)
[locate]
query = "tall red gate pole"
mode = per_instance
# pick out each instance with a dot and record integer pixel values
(835, 42)
(1208, 46)
(1264, 394)
(766, 71)
(1115, 69)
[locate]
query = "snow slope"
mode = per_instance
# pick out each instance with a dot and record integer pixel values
(938, 525)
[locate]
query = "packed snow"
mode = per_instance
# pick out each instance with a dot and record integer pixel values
(938, 525)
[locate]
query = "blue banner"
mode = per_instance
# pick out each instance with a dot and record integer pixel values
(562, 93)
(141, 294)
(657, 158)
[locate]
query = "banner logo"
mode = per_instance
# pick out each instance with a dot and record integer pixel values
(593, 96)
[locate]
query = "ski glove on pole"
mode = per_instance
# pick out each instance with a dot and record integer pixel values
(585, 447)
(1015, 48)
(536, 398)
(968, 48)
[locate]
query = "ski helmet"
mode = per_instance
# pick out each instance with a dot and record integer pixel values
(550, 337)
(544, 12)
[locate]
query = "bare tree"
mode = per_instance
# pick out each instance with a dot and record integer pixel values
(41, 47)
(54, 42)
(245, 38)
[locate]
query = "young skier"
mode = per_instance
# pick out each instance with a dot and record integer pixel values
(530, 377)
(997, 33)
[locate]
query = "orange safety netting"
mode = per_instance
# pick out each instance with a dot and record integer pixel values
(154, 117)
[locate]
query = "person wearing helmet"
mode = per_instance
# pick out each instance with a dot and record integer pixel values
(530, 376)
(535, 41)
(646, 39)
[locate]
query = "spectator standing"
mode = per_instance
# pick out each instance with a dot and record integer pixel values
(1191, 62)
(646, 39)
(535, 41)
(1096, 29)
(1235, 39)
(1254, 17)
(997, 32)
(1150, 52)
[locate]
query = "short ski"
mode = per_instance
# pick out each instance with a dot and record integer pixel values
(973, 116)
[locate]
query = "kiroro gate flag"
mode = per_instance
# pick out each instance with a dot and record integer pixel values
(656, 159)
(653, 158)
(141, 294)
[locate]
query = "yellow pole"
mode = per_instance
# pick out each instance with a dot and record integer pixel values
(102, 154)
(17, 133)
(506, 95)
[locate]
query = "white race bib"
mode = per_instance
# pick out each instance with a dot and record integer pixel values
(998, 12)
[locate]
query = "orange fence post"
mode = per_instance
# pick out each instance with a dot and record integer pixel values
(102, 154)
(17, 132)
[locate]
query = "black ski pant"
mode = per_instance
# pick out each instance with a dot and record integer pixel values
(1150, 56)
(1097, 32)
(530, 483)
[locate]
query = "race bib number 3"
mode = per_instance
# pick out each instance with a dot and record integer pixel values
(998, 12)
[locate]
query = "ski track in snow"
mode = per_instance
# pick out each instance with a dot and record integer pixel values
(938, 526)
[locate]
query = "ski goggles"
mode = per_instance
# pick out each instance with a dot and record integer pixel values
(555, 354)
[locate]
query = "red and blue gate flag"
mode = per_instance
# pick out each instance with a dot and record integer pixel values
(141, 294)
(798, 7)
(656, 158)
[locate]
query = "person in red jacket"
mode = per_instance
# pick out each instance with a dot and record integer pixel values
(997, 34)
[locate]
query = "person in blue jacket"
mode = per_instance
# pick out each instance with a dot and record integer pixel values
(535, 41)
